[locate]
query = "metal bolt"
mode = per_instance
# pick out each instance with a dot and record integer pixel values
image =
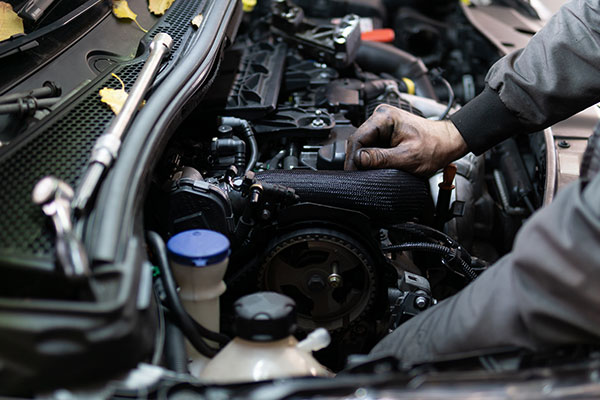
(317, 122)
(225, 129)
(340, 40)
(334, 279)
(564, 144)
(421, 302)
(265, 215)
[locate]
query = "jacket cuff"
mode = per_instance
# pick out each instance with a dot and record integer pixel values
(485, 121)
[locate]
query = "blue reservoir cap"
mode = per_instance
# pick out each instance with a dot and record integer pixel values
(198, 247)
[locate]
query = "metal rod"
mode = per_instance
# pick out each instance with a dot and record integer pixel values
(107, 146)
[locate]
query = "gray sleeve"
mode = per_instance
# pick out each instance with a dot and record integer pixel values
(544, 293)
(556, 75)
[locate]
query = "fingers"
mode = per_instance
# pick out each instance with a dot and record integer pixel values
(376, 158)
(377, 129)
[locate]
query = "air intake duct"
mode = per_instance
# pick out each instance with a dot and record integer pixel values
(387, 194)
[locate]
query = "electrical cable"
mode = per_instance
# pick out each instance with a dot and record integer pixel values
(451, 96)
(434, 248)
(160, 337)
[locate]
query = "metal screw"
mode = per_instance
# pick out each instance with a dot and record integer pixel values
(340, 40)
(564, 144)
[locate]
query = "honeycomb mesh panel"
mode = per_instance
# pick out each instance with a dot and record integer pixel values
(62, 148)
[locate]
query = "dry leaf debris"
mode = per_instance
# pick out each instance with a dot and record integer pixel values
(115, 98)
(121, 10)
(10, 23)
(158, 7)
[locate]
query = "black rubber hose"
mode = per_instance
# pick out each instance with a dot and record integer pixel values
(274, 162)
(175, 354)
(382, 57)
(434, 248)
(49, 89)
(186, 323)
(253, 146)
(27, 105)
(248, 135)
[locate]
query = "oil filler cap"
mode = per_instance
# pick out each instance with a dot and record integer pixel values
(264, 317)
(198, 247)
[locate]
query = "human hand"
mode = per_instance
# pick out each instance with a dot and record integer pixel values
(393, 138)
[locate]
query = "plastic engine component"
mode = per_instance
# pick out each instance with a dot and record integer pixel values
(265, 317)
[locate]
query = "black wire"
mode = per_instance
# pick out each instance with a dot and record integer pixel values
(451, 97)
(160, 337)
(190, 328)
(427, 231)
(434, 248)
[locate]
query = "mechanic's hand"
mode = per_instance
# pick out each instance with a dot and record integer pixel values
(393, 138)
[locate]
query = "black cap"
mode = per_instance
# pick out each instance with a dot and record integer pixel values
(264, 317)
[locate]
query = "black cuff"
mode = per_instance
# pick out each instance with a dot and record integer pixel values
(485, 121)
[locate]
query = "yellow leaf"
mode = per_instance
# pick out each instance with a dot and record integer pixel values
(115, 98)
(158, 7)
(10, 23)
(121, 10)
(197, 20)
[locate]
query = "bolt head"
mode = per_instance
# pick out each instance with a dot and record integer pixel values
(334, 280)
(421, 302)
(317, 122)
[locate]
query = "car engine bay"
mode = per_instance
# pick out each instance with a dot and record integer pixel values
(359, 252)
(256, 153)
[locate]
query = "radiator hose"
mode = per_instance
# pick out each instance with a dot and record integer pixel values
(382, 57)
(246, 129)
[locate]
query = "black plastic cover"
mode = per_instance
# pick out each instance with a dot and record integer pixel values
(264, 317)
(251, 77)
(195, 204)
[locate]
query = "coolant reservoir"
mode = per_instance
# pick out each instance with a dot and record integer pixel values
(199, 260)
(264, 347)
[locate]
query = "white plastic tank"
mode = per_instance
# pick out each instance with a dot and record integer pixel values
(264, 347)
(199, 260)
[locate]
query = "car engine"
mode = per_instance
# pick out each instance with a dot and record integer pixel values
(261, 160)
(242, 130)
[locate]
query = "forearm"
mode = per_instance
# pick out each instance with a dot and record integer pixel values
(555, 76)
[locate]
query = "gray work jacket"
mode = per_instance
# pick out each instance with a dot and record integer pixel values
(546, 292)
